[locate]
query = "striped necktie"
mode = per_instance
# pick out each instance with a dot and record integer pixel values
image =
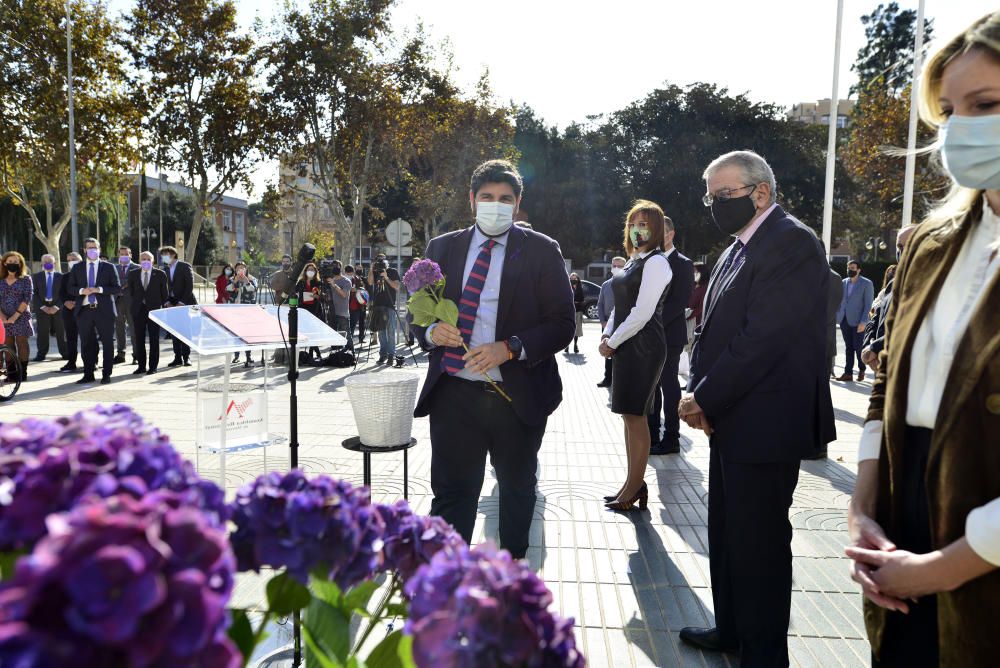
(468, 305)
(737, 250)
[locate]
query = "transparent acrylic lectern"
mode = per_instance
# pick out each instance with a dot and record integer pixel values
(236, 420)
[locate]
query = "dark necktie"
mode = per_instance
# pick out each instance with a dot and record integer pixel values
(737, 250)
(468, 306)
(48, 286)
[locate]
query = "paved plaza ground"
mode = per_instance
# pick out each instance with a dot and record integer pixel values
(632, 581)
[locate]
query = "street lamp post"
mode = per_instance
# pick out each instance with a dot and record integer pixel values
(875, 244)
(160, 200)
(150, 235)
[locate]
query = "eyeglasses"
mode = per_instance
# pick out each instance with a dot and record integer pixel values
(723, 195)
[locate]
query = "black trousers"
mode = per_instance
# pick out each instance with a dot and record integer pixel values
(72, 334)
(912, 639)
(666, 397)
(607, 369)
(94, 325)
(181, 349)
(469, 421)
(358, 320)
(49, 324)
(750, 555)
(141, 325)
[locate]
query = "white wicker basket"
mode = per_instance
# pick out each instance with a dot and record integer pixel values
(383, 407)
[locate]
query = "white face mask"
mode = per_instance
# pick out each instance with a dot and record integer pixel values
(697, 276)
(494, 218)
(165, 259)
(310, 274)
(71, 263)
(617, 271)
(971, 150)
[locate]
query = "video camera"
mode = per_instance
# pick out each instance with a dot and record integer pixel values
(378, 266)
(329, 269)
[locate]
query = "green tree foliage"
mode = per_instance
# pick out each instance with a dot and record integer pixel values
(580, 183)
(178, 216)
(34, 133)
(348, 99)
(206, 114)
(872, 154)
(450, 136)
(886, 59)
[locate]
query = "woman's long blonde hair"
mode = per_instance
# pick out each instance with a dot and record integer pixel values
(983, 35)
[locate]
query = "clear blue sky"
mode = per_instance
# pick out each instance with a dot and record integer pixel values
(570, 59)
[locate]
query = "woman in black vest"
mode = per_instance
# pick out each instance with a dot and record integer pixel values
(635, 341)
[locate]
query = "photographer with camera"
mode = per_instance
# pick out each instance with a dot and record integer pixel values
(384, 282)
(339, 287)
(242, 289)
(357, 306)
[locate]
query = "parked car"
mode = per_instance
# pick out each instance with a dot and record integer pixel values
(590, 294)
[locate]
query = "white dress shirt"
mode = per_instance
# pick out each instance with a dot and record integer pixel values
(485, 328)
(933, 353)
(86, 274)
(656, 276)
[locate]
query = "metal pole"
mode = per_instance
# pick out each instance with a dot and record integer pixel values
(160, 198)
(911, 142)
(831, 144)
(72, 133)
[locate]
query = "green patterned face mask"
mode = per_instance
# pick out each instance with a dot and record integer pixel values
(638, 236)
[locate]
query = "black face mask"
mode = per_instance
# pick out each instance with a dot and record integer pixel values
(733, 215)
(335, 271)
(852, 272)
(13, 268)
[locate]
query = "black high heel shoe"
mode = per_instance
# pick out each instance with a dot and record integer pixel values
(641, 497)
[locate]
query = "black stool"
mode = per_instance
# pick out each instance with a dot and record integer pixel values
(354, 444)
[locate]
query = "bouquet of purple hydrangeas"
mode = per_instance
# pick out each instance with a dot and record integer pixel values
(47, 466)
(412, 540)
(307, 525)
(484, 608)
(427, 304)
(122, 582)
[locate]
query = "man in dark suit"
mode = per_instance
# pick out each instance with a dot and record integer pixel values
(759, 387)
(515, 313)
(68, 302)
(675, 328)
(855, 306)
(94, 284)
(180, 284)
(122, 304)
(147, 291)
(48, 309)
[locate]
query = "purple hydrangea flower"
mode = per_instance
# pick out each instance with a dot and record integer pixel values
(483, 608)
(421, 274)
(47, 466)
(412, 540)
(122, 582)
(299, 523)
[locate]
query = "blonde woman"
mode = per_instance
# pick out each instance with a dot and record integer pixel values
(925, 516)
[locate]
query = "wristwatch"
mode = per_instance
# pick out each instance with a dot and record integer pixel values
(514, 348)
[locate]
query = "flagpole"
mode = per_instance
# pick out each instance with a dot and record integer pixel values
(831, 143)
(911, 141)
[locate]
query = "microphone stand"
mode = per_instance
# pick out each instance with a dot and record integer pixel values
(293, 441)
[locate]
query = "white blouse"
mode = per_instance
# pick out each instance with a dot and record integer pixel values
(933, 352)
(656, 276)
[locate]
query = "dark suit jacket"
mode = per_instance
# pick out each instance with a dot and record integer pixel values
(536, 305)
(153, 297)
(38, 298)
(875, 329)
(182, 286)
(106, 278)
(759, 366)
(132, 266)
(676, 301)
